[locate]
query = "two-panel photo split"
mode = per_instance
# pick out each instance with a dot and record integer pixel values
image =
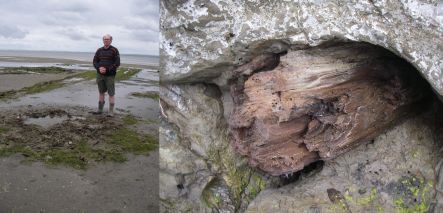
(221, 106)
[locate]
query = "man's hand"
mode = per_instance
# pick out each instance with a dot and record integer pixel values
(102, 70)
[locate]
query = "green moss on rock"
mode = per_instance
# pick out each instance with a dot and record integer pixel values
(415, 195)
(242, 182)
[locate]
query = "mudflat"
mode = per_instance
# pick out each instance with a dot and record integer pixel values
(131, 186)
(20, 81)
(55, 156)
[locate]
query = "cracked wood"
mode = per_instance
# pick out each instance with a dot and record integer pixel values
(315, 104)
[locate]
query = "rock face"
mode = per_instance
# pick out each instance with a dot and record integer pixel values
(318, 103)
(199, 171)
(215, 54)
(215, 36)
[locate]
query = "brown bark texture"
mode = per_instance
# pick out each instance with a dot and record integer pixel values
(318, 103)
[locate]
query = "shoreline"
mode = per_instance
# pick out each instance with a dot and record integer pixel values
(56, 61)
(18, 81)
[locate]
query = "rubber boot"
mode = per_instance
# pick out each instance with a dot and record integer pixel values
(100, 108)
(111, 110)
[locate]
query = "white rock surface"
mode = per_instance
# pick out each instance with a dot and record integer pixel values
(201, 39)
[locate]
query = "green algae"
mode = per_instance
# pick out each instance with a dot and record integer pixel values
(80, 154)
(87, 75)
(130, 141)
(125, 73)
(3, 130)
(415, 197)
(36, 88)
(130, 120)
(242, 182)
(77, 157)
(364, 200)
(171, 205)
(122, 74)
(43, 87)
(212, 193)
(148, 94)
(27, 70)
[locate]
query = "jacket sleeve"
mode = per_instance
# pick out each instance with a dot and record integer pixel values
(96, 61)
(116, 59)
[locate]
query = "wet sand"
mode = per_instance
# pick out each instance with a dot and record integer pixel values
(79, 92)
(19, 81)
(131, 186)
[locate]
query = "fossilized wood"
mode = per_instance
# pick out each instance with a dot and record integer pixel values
(318, 103)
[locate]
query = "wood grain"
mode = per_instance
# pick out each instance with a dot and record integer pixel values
(318, 103)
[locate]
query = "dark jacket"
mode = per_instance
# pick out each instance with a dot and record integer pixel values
(108, 58)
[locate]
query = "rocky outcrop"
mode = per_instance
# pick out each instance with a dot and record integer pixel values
(216, 53)
(215, 36)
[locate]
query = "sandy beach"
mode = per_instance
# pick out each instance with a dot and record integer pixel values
(55, 156)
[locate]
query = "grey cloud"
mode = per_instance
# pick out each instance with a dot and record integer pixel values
(73, 7)
(144, 20)
(75, 34)
(63, 18)
(12, 32)
(81, 23)
(26, 7)
(141, 23)
(145, 35)
(146, 7)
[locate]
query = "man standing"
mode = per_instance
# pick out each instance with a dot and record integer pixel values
(106, 61)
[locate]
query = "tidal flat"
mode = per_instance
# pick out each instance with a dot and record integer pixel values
(54, 148)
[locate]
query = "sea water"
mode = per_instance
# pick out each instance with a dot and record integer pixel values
(7, 55)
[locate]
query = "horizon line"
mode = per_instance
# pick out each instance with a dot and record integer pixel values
(73, 52)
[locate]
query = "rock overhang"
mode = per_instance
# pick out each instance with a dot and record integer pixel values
(202, 39)
(201, 42)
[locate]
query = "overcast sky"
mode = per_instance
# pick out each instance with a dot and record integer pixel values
(78, 25)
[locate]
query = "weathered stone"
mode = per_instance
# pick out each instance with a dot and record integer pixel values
(216, 36)
(199, 171)
(439, 171)
(182, 175)
(216, 41)
(196, 112)
(319, 103)
(313, 209)
(184, 172)
(396, 170)
(216, 194)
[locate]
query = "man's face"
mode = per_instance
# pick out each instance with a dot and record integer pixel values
(107, 41)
